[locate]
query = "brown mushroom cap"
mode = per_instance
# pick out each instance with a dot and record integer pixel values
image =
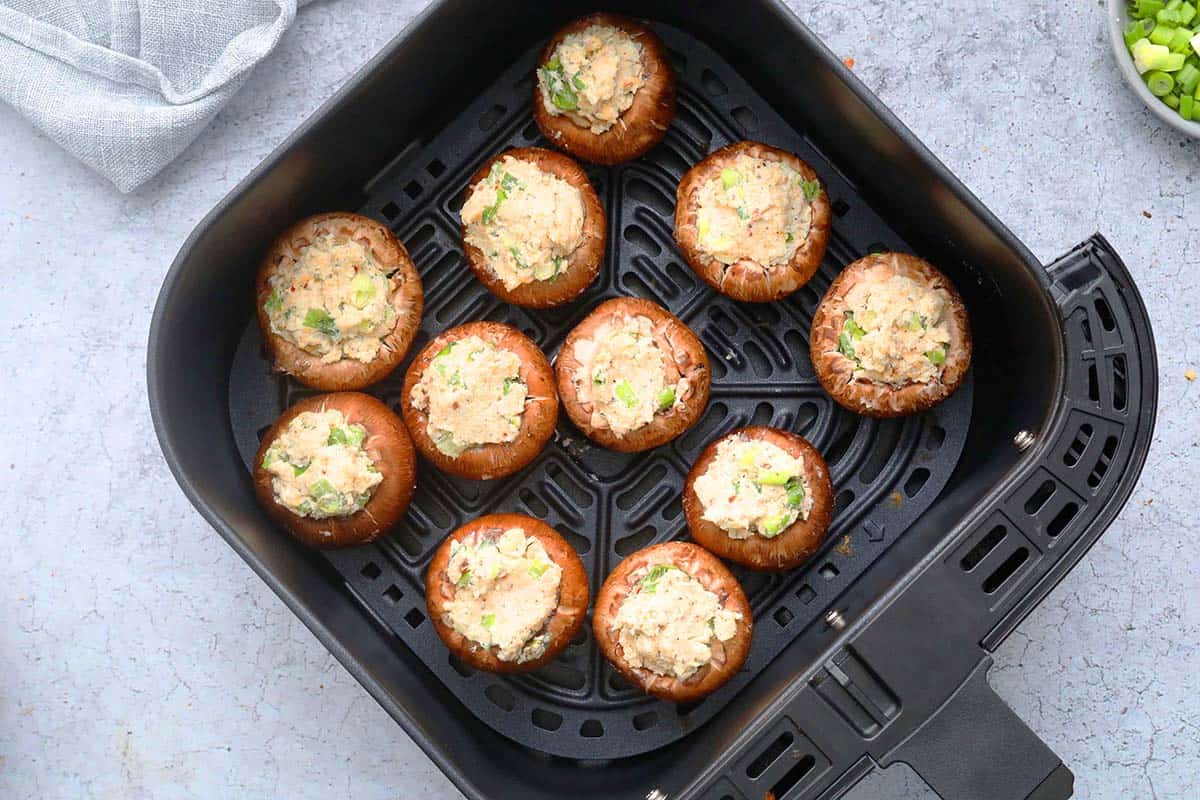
(388, 446)
(407, 301)
(488, 461)
(584, 264)
(688, 358)
(572, 594)
(795, 544)
(836, 372)
(748, 280)
(644, 123)
(728, 656)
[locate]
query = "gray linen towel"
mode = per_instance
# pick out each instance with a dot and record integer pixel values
(126, 85)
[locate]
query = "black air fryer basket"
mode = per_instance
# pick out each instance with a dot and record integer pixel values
(949, 526)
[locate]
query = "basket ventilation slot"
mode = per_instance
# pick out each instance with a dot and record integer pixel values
(781, 765)
(591, 729)
(1078, 445)
(1039, 498)
(792, 777)
(1102, 463)
(500, 696)
(1062, 519)
(645, 721)
(986, 545)
(767, 757)
(1006, 570)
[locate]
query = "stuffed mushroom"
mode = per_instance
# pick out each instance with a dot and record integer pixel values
(336, 469)
(632, 376)
(760, 497)
(479, 400)
(339, 301)
(533, 228)
(506, 593)
(752, 221)
(673, 621)
(605, 91)
(890, 336)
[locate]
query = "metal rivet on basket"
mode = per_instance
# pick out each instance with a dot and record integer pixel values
(1024, 440)
(834, 619)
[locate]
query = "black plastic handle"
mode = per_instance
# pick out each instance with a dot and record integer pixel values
(975, 748)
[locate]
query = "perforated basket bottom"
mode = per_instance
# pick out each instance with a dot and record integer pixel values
(607, 504)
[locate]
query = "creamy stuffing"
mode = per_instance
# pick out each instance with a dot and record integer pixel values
(895, 330)
(756, 209)
(622, 373)
(472, 395)
(334, 301)
(319, 467)
(507, 589)
(526, 222)
(753, 487)
(593, 76)
(669, 623)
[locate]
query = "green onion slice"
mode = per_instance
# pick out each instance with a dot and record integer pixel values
(516, 254)
(773, 477)
(321, 321)
(364, 289)
(795, 493)
(1159, 83)
(561, 93)
(650, 580)
(625, 393)
(852, 327)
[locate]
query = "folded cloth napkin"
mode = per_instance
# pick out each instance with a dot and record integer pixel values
(126, 85)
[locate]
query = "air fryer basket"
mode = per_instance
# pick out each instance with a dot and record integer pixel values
(609, 504)
(877, 651)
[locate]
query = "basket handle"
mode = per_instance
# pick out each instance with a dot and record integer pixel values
(975, 748)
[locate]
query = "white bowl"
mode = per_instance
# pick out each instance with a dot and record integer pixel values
(1118, 21)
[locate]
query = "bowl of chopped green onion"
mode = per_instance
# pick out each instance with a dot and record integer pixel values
(1157, 44)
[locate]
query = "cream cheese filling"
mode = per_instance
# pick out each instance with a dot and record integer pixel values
(472, 394)
(896, 330)
(753, 487)
(319, 467)
(756, 209)
(525, 221)
(592, 77)
(670, 622)
(622, 373)
(334, 301)
(507, 589)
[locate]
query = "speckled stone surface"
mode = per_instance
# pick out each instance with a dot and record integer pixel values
(139, 657)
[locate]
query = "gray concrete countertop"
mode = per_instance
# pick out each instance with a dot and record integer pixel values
(140, 657)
